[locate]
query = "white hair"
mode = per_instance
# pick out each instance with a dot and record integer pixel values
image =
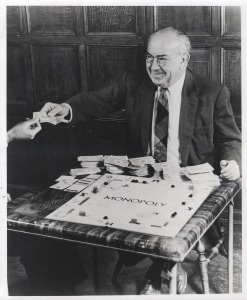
(182, 37)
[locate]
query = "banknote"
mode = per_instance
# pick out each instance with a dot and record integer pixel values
(91, 164)
(43, 117)
(91, 158)
(114, 169)
(84, 171)
(142, 171)
(125, 157)
(140, 161)
(173, 172)
(116, 161)
(158, 166)
(66, 178)
(203, 177)
(203, 168)
(132, 168)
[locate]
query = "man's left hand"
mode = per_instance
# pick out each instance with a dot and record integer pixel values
(229, 169)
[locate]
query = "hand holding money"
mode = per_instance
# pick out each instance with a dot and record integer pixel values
(42, 117)
(54, 113)
(24, 131)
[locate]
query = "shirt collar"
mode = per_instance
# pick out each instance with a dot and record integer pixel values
(177, 86)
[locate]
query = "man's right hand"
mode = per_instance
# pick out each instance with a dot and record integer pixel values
(59, 111)
(24, 130)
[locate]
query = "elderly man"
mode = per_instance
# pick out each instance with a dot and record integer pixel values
(171, 113)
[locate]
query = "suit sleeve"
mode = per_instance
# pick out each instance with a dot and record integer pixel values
(91, 105)
(227, 136)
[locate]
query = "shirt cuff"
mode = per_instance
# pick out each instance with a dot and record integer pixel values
(9, 137)
(70, 115)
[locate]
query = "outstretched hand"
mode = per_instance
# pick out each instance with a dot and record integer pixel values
(59, 111)
(24, 131)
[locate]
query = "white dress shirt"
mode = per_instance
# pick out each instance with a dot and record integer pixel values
(174, 95)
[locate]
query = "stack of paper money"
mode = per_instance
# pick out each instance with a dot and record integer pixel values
(157, 169)
(167, 171)
(140, 166)
(173, 172)
(202, 174)
(84, 171)
(92, 158)
(95, 161)
(89, 165)
(116, 164)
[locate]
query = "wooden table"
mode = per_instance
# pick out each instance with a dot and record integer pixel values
(171, 249)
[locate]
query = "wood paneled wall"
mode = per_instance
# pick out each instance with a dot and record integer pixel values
(55, 52)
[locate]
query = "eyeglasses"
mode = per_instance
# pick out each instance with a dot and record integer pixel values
(162, 60)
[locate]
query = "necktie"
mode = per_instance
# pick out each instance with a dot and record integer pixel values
(161, 127)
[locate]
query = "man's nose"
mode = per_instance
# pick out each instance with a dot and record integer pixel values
(155, 65)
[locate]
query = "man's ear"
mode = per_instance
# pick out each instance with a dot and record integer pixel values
(185, 60)
(187, 57)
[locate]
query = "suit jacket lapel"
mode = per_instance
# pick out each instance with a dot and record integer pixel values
(187, 116)
(146, 94)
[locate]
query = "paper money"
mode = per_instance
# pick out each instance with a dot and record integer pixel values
(133, 168)
(43, 117)
(116, 164)
(140, 172)
(76, 187)
(116, 161)
(84, 171)
(91, 164)
(114, 169)
(140, 166)
(157, 169)
(202, 174)
(66, 178)
(203, 168)
(158, 166)
(91, 158)
(140, 161)
(61, 185)
(125, 157)
(205, 178)
(173, 173)
(63, 182)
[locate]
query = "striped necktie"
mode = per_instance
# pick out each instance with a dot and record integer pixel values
(161, 127)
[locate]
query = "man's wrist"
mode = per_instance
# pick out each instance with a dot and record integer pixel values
(69, 116)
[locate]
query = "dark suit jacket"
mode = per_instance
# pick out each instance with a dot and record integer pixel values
(207, 129)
